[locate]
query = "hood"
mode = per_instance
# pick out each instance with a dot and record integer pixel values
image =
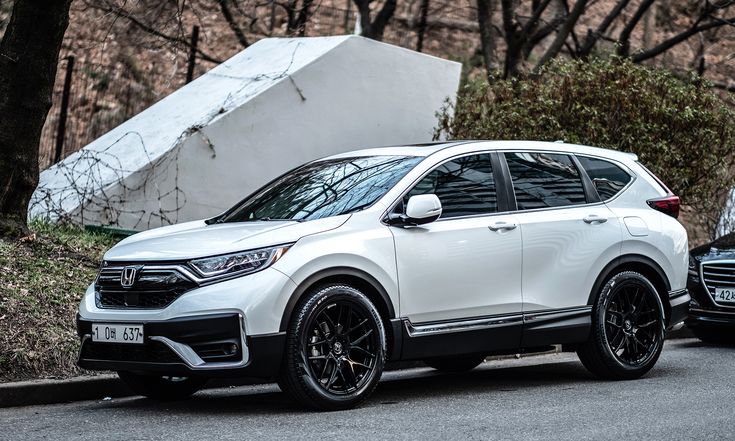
(721, 248)
(197, 239)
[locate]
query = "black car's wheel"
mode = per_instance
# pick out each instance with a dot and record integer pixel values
(335, 349)
(628, 329)
(160, 387)
(455, 364)
(714, 335)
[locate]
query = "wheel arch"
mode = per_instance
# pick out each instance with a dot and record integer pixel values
(359, 279)
(641, 264)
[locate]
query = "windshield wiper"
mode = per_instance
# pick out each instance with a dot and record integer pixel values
(274, 219)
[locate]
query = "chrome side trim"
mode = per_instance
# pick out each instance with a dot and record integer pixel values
(489, 322)
(677, 293)
(554, 314)
(419, 330)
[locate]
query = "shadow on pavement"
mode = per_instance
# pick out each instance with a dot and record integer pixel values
(396, 387)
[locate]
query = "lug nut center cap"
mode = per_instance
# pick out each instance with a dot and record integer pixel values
(337, 348)
(627, 325)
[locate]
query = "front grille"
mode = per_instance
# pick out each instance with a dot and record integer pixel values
(718, 275)
(152, 289)
(151, 352)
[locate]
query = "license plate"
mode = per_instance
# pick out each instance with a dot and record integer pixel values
(725, 295)
(117, 333)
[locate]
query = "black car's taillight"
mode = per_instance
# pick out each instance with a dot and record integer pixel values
(667, 204)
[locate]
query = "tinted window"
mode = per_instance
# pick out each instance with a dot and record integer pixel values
(324, 188)
(608, 178)
(465, 186)
(543, 180)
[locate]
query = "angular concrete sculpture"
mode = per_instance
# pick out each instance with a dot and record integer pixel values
(277, 104)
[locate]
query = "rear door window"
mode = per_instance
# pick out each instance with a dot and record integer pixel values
(607, 177)
(543, 180)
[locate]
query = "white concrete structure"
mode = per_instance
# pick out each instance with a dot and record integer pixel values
(277, 104)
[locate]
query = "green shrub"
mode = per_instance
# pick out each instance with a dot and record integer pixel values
(680, 130)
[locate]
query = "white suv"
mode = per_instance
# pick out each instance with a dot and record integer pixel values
(441, 252)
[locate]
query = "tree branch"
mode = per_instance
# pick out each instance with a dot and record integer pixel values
(227, 14)
(562, 34)
(592, 36)
(673, 41)
(624, 38)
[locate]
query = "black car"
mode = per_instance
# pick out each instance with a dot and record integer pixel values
(711, 284)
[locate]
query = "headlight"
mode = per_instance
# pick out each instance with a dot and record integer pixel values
(692, 265)
(241, 263)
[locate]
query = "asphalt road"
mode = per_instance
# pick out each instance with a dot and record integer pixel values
(690, 394)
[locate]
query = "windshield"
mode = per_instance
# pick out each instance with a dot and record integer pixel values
(324, 188)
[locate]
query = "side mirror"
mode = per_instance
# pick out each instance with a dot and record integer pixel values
(420, 209)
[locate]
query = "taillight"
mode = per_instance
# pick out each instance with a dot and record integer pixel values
(667, 204)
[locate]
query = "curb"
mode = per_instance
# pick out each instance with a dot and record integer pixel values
(99, 387)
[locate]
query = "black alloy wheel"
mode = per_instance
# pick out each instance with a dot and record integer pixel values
(628, 328)
(335, 349)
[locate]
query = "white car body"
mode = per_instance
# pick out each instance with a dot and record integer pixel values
(520, 278)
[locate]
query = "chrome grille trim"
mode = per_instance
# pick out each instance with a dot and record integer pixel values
(719, 273)
(155, 288)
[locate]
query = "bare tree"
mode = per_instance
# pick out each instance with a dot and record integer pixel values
(525, 26)
(375, 28)
(29, 53)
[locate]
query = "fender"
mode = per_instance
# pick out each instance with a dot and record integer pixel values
(623, 260)
(336, 272)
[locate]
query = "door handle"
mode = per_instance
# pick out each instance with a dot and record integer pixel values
(594, 219)
(502, 226)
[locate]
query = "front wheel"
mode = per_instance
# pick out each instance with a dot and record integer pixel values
(335, 349)
(164, 388)
(628, 329)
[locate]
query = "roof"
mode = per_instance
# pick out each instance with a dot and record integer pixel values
(458, 147)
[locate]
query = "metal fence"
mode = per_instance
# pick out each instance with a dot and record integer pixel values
(89, 100)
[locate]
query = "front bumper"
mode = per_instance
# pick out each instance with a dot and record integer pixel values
(710, 318)
(213, 345)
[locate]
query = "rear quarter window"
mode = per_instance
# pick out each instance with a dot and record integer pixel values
(608, 178)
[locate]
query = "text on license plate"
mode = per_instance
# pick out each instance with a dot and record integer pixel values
(117, 333)
(726, 295)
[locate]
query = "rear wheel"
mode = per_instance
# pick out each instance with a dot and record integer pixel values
(335, 349)
(627, 329)
(455, 364)
(164, 388)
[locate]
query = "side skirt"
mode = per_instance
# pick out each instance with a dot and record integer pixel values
(508, 333)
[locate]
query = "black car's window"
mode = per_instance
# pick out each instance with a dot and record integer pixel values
(542, 180)
(324, 188)
(608, 178)
(465, 186)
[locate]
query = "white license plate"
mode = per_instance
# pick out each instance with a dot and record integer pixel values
(725, 295)
(117, 333)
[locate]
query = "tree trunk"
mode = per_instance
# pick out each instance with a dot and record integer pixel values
(487, 35)
(375, 29)
(29, 54)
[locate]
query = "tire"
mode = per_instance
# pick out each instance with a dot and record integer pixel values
(163, 388)
(456, 364)
(714, 335)
(335, 349)
(628, 329)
